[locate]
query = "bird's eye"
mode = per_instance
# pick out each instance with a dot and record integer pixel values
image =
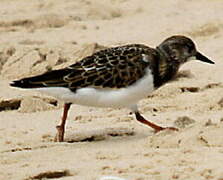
(190, 48)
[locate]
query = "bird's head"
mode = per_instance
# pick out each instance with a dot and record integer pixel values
(180, 49)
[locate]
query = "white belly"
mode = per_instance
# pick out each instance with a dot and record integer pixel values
(116, 98)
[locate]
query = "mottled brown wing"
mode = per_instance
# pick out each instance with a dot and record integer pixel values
(111, 68)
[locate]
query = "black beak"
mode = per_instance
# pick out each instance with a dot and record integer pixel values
(201, 57)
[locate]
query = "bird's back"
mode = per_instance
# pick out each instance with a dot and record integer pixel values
(116, 67)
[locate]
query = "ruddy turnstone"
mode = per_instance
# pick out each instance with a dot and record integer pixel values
(115, 77)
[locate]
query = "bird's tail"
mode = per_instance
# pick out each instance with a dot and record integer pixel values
(52, 78)
(26, 83)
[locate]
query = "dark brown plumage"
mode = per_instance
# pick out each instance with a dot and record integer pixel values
(110, 68)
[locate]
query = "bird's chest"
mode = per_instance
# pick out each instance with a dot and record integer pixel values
(164, 75)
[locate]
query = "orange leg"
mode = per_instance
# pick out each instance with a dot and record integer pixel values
(61, 128)
(157, 128)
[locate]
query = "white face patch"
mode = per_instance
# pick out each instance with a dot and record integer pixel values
(145, 58)
(191, 58)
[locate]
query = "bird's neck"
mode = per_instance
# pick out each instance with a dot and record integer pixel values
(166, 69)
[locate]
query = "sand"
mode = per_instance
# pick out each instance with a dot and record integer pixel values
(36, 36)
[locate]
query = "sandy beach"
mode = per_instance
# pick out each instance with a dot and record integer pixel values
(37, 36)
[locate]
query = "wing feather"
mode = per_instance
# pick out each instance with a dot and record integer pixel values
(110, 68)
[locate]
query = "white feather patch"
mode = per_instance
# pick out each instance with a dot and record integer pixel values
(116, 98)
(145, 58)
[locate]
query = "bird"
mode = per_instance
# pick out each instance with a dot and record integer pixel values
(116, 77)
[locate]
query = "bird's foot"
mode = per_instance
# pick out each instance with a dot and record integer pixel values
(60, 134)
(156, 127)
(165, 128)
